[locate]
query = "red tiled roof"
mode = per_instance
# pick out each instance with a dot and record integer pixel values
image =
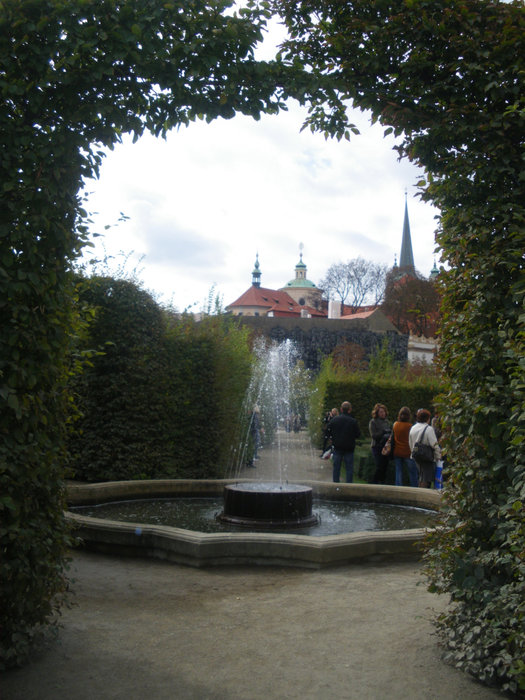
(360, 314)
(271, 300)
(266, 298)
(280, 303)
(316, 312)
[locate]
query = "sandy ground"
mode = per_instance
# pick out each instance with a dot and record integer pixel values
(147, 629)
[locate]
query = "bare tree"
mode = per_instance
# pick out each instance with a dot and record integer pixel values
(355, 282)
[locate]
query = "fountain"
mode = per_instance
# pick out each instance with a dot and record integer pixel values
(261, 513)
(273, 396)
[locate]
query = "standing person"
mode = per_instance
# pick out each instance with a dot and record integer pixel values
(326, 433)
(344, 430)
(422, 431)
(402, 451)
(380, 429)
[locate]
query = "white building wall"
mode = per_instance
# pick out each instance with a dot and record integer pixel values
(334, 309)
(421, 349)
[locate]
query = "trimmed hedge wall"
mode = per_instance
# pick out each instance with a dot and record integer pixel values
(162, 394)
(363, 394)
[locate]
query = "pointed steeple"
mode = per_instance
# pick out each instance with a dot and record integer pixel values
(406, 258)
(256, 273)
(434, 272)
(300, 268)
(300, 281)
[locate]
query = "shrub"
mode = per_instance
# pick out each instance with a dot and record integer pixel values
(76, 76)
(162, 397)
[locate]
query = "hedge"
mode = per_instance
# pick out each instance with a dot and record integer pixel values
(364, 390)
(163, 394)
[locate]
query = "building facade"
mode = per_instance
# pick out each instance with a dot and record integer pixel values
(300, 298)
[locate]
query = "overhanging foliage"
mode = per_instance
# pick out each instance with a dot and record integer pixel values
(74, 76)
(448, 76)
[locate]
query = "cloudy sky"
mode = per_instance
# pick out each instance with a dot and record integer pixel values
(202, 203)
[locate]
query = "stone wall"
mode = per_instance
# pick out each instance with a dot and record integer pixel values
(316, 338)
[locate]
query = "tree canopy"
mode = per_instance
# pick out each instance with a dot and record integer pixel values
(411, 302)
(447, 77)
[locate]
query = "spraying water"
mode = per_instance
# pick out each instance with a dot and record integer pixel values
(275, 403)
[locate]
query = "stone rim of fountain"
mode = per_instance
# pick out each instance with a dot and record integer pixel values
(199, 549)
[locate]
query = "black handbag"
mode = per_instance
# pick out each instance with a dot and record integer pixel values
(422, 451)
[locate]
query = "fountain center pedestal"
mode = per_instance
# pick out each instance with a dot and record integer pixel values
(266, 505)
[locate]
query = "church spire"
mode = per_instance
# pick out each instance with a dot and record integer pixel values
(300, 268)
(256, 273)
(406, 258)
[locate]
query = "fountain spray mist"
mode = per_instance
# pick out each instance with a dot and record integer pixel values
(278, 390)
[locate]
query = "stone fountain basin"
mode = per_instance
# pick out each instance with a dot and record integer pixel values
(242, 548)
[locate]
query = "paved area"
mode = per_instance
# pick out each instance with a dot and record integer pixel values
(146, 629)
(290, 458)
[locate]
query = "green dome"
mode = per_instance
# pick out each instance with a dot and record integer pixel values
(300, 283)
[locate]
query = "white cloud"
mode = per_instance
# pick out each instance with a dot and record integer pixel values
(202, 203)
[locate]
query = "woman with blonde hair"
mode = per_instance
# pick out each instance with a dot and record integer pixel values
(402, 452)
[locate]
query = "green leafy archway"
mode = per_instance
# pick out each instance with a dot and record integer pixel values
(74, 76)
(448, 77)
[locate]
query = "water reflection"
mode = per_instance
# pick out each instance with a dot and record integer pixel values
(199, 514)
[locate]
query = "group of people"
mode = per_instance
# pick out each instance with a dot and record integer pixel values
(403, 436)
(400, 441)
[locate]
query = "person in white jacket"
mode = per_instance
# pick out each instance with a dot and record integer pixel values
(426, 469)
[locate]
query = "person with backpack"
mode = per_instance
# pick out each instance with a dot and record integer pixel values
(424, 447)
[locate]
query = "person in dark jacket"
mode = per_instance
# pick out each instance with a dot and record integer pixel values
(344, 430)
(380, 430)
